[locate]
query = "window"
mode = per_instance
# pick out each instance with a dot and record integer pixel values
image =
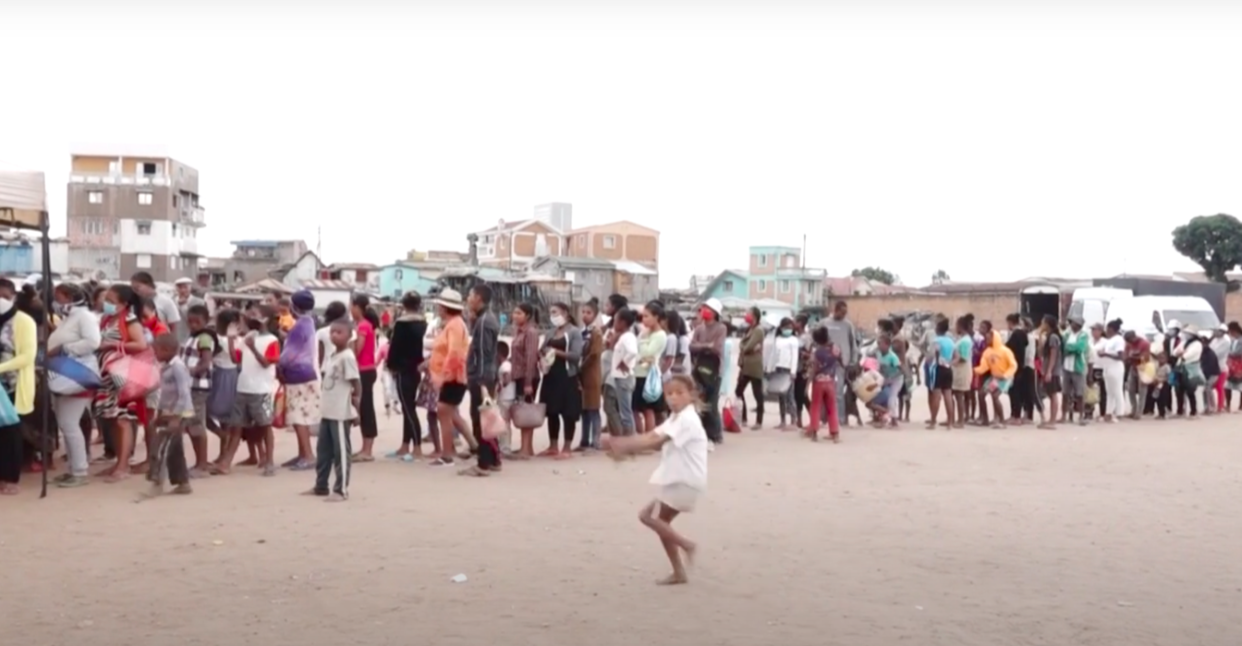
(610, 242)
(144, 228)
(763, 261)
(148, 168)
(95, 197)
(789, 261)
(580, 240)
(763, 285)
(599, 279)
(397, 274)
(143, 261)
(785, 287)
(175, 233)
(728, 286)
(145, 199)
(172, 262)
(114, 167)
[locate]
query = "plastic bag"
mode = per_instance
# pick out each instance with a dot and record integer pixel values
(1092, 396)
(492, 422)
(1147, 373)
(134, 375)
(778, 383)
(730, 416)
(278, 408)
(8, 413)
(72, 376)
(653, 388)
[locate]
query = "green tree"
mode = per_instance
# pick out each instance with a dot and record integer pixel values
(877, 274)
(1214, 242)
(940, 277)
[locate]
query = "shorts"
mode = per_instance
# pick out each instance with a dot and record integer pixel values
(1075, 385)
(302, 404)
(452, 394)
(252, 410)
(195, 426)
(1052, 386)
(882, 398)
(962, 377)
(943, 379)
(1002, 385)
(680, 497)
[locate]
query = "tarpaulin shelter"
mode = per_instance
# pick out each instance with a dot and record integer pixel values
(23, 205)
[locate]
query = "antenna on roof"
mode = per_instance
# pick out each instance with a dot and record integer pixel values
(319, 242)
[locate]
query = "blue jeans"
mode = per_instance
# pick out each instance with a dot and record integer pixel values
(625, 410)
(590, 430)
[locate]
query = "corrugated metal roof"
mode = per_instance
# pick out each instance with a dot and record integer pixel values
(316, 283)
(631, 267)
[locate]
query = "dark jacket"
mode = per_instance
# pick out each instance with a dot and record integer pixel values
(481, 360)
(405, 350)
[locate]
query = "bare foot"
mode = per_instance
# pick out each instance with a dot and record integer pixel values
(9, 490)
(563, 455)
(248, 462)
(550, 452)
(139, 469)
(673, 579)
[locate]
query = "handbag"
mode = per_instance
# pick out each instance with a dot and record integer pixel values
(72, 375)
(1194, 374)
(133, 375)
(529, 414)
(8, 412)
(653, 388)
(729, 417)
(1092, 396)
(490, 419)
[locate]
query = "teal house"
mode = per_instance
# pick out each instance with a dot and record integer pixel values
(398, 278)
(731, 283)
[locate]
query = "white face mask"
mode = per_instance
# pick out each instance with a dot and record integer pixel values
(5, 305)
(558, 320)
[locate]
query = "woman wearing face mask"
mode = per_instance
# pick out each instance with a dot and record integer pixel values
(750, 364)
(562, 392)
(19, 340)
(785, 362)
(76, 336)
(121, 332)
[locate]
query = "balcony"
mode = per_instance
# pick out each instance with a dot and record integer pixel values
(193, 216)
(188, 246)
(123, 179)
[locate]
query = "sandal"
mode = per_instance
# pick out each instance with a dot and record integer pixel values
(474, 472)
(359, 457)
(442, 462)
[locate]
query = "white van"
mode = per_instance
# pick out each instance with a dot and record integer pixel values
(1150, 315)
(1091, 303)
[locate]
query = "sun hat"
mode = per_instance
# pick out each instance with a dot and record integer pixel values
(714, 305)
(1174, 325)
(450, 299)
(1224, 327)
(183, 281)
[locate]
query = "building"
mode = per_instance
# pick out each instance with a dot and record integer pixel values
(293, 275)
(254, 260)
(21, 254)
(730, 283)
(557, 214)
(621, 240)
(399, 278)
(515, 245)
(774, 274)
(133, 213)
(362, 276)
(596, 278)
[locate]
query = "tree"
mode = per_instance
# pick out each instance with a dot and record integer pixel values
(1214, 242)
(876, 274)
(940, 277)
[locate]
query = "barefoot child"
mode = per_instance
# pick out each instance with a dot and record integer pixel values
(682, 474)
(824, 360)
(176, 410)
(339, 399)
(257, 355)
(198, 354)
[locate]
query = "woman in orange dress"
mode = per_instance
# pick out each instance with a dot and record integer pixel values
(448, 371)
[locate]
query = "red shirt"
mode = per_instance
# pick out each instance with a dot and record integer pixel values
(156, 326)
(385, 318)
(1137, 350)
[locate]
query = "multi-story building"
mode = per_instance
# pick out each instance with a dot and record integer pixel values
(133, 213)
(774, 274)
(615, 241)
(515, 245)
(558, 214)
(255, 260)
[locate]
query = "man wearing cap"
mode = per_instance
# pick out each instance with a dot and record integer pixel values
(298, 370)
(1075, 347)
(706, 357)
(185, 300)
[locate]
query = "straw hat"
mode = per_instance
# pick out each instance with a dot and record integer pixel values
(450, 299)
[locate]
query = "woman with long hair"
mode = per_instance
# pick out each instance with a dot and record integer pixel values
(76, 337)
(366, 322)
(121, 333)
(405, 362)
(652, 343)
(524, 359)
(562, 393)
(750, 366)
(591, 375)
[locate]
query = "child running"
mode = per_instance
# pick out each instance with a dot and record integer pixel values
(681, 475)
(176, 411)
(339, 399)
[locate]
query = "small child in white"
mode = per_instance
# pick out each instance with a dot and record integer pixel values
(339, 399)
(681, 476)
(507, 393)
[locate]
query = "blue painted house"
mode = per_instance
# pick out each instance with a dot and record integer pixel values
(401, 277)
(731, 283)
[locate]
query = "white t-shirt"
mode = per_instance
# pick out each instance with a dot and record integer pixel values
(683, 458)
(509, 392)
(787, 348)
(322, 337)
(683, 348)
(625, 351)
(340, 370)
(166, 309)
(225, 359)
(1114, 345)
(252, 378)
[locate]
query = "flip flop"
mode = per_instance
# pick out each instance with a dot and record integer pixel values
(407, 458)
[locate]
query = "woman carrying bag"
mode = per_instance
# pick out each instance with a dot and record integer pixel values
(124, 355)
(562, 392)
(75, 341)
(19, 340)
(524, 359)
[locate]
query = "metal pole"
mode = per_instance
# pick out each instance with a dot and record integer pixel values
(45, 404)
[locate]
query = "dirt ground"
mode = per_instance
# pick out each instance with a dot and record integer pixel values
(1124, 534)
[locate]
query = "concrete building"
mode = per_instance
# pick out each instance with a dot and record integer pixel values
(254, 260)
(517, 244)
(596, 278)
(774, 274)
(133, 213)
(621, 240)
(557, 214)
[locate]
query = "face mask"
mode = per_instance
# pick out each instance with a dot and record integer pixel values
(558, 320)
(706, 314)
(786, 332)
(750, 320)
(109, 308)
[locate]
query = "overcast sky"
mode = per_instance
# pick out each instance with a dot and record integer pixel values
(994, 140)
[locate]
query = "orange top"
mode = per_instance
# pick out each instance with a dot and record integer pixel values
(448, 354)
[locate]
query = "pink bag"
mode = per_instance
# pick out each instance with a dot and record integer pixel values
(492, 421)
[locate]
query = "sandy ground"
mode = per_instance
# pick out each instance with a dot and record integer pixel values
(1125, 534)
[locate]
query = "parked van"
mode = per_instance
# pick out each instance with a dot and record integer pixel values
(1150, 315)
(1090, 303)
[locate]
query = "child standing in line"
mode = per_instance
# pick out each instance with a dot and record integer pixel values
(1162, 388)
(339, 399)
(257, 355)
(681, 475)
(507, 393)
(824, 360)
(176, 411)
(223, 393)
(197, 354)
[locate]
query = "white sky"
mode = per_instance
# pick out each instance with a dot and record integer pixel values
(1080, 133)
